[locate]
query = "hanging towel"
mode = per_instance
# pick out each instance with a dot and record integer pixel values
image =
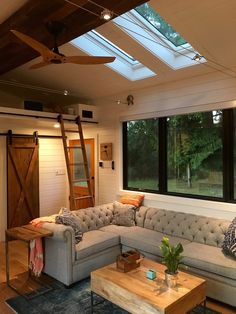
(36, 256)
(36, 246)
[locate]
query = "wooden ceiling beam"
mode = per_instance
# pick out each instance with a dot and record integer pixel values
(33, 15)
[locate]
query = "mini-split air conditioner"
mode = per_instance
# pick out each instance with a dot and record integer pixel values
(86, 112)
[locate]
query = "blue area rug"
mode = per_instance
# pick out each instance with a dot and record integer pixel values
(74, 300)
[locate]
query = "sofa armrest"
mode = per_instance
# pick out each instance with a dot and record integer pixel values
(59, 252)
(60, 232)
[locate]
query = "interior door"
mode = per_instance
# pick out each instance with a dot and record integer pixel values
(76, 159)
(22, 180)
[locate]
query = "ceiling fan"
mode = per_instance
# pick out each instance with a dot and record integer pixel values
(54, 56)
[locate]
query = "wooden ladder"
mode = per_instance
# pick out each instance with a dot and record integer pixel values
(73, 198)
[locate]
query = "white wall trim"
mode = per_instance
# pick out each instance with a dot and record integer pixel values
(182, 110)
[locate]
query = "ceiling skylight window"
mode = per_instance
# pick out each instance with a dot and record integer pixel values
(119, 50)
(160, 24)
(93, 43)
(149, 29)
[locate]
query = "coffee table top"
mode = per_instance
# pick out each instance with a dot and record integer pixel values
(135, 293)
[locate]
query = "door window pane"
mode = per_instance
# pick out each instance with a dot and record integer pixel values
(142, 154)
(78, 168)
(195, 154)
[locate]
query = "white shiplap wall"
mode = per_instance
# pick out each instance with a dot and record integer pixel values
(52, 176)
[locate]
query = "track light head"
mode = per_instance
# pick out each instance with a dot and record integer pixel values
(106, 15)
(197, 57)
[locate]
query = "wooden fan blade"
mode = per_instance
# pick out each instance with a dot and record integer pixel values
(36, 45)
(88, 59)
(39, 65)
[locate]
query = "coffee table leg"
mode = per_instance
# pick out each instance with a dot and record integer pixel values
(204, 306)
(91, 302)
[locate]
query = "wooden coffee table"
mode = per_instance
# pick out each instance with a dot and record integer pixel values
(135, 293)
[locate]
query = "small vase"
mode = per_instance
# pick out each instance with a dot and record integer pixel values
(171, 279)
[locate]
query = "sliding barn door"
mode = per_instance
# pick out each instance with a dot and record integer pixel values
(22, 180)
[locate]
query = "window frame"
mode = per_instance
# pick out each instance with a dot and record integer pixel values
(228, 128)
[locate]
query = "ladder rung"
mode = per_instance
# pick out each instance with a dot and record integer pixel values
(71, 131)
(74, 147)
(82, 197)
(81, 180)
(78, 164)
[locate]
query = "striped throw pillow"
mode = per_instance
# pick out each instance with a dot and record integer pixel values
(229, 244)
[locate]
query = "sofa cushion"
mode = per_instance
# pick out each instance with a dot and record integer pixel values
(210, 259)
(95, 241)
(147, 240)
(118, 229)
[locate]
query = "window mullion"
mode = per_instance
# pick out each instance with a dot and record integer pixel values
(228, 145)
(162, 156)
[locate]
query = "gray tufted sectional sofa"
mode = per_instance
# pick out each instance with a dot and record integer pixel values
(200, 236)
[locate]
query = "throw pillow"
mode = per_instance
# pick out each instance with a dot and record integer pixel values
(229, 244)
(68, 218)
(124, 215)
(118, 205)
(132, 199)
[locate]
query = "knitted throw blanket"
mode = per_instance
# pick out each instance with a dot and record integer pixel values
(67, 218)
(229, 244)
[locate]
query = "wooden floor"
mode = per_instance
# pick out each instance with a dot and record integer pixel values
(18, 267)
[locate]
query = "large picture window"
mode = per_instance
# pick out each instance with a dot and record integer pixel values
(187, 155)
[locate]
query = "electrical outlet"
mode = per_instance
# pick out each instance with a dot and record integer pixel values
(60, 172)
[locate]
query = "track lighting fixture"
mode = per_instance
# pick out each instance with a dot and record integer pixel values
(197, 57)
(129, 101)
(106, 14)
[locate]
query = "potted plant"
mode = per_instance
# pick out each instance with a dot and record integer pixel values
(171, 258)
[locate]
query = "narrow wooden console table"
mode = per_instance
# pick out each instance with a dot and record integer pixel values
(24, 233)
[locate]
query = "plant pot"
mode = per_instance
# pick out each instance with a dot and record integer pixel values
(171, 279)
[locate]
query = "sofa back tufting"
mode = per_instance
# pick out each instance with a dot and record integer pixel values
(93, 218)
(192, 227)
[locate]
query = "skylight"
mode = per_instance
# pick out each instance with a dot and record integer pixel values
(160, 24)
(118, 49)
(149, 29)
(96, 44)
